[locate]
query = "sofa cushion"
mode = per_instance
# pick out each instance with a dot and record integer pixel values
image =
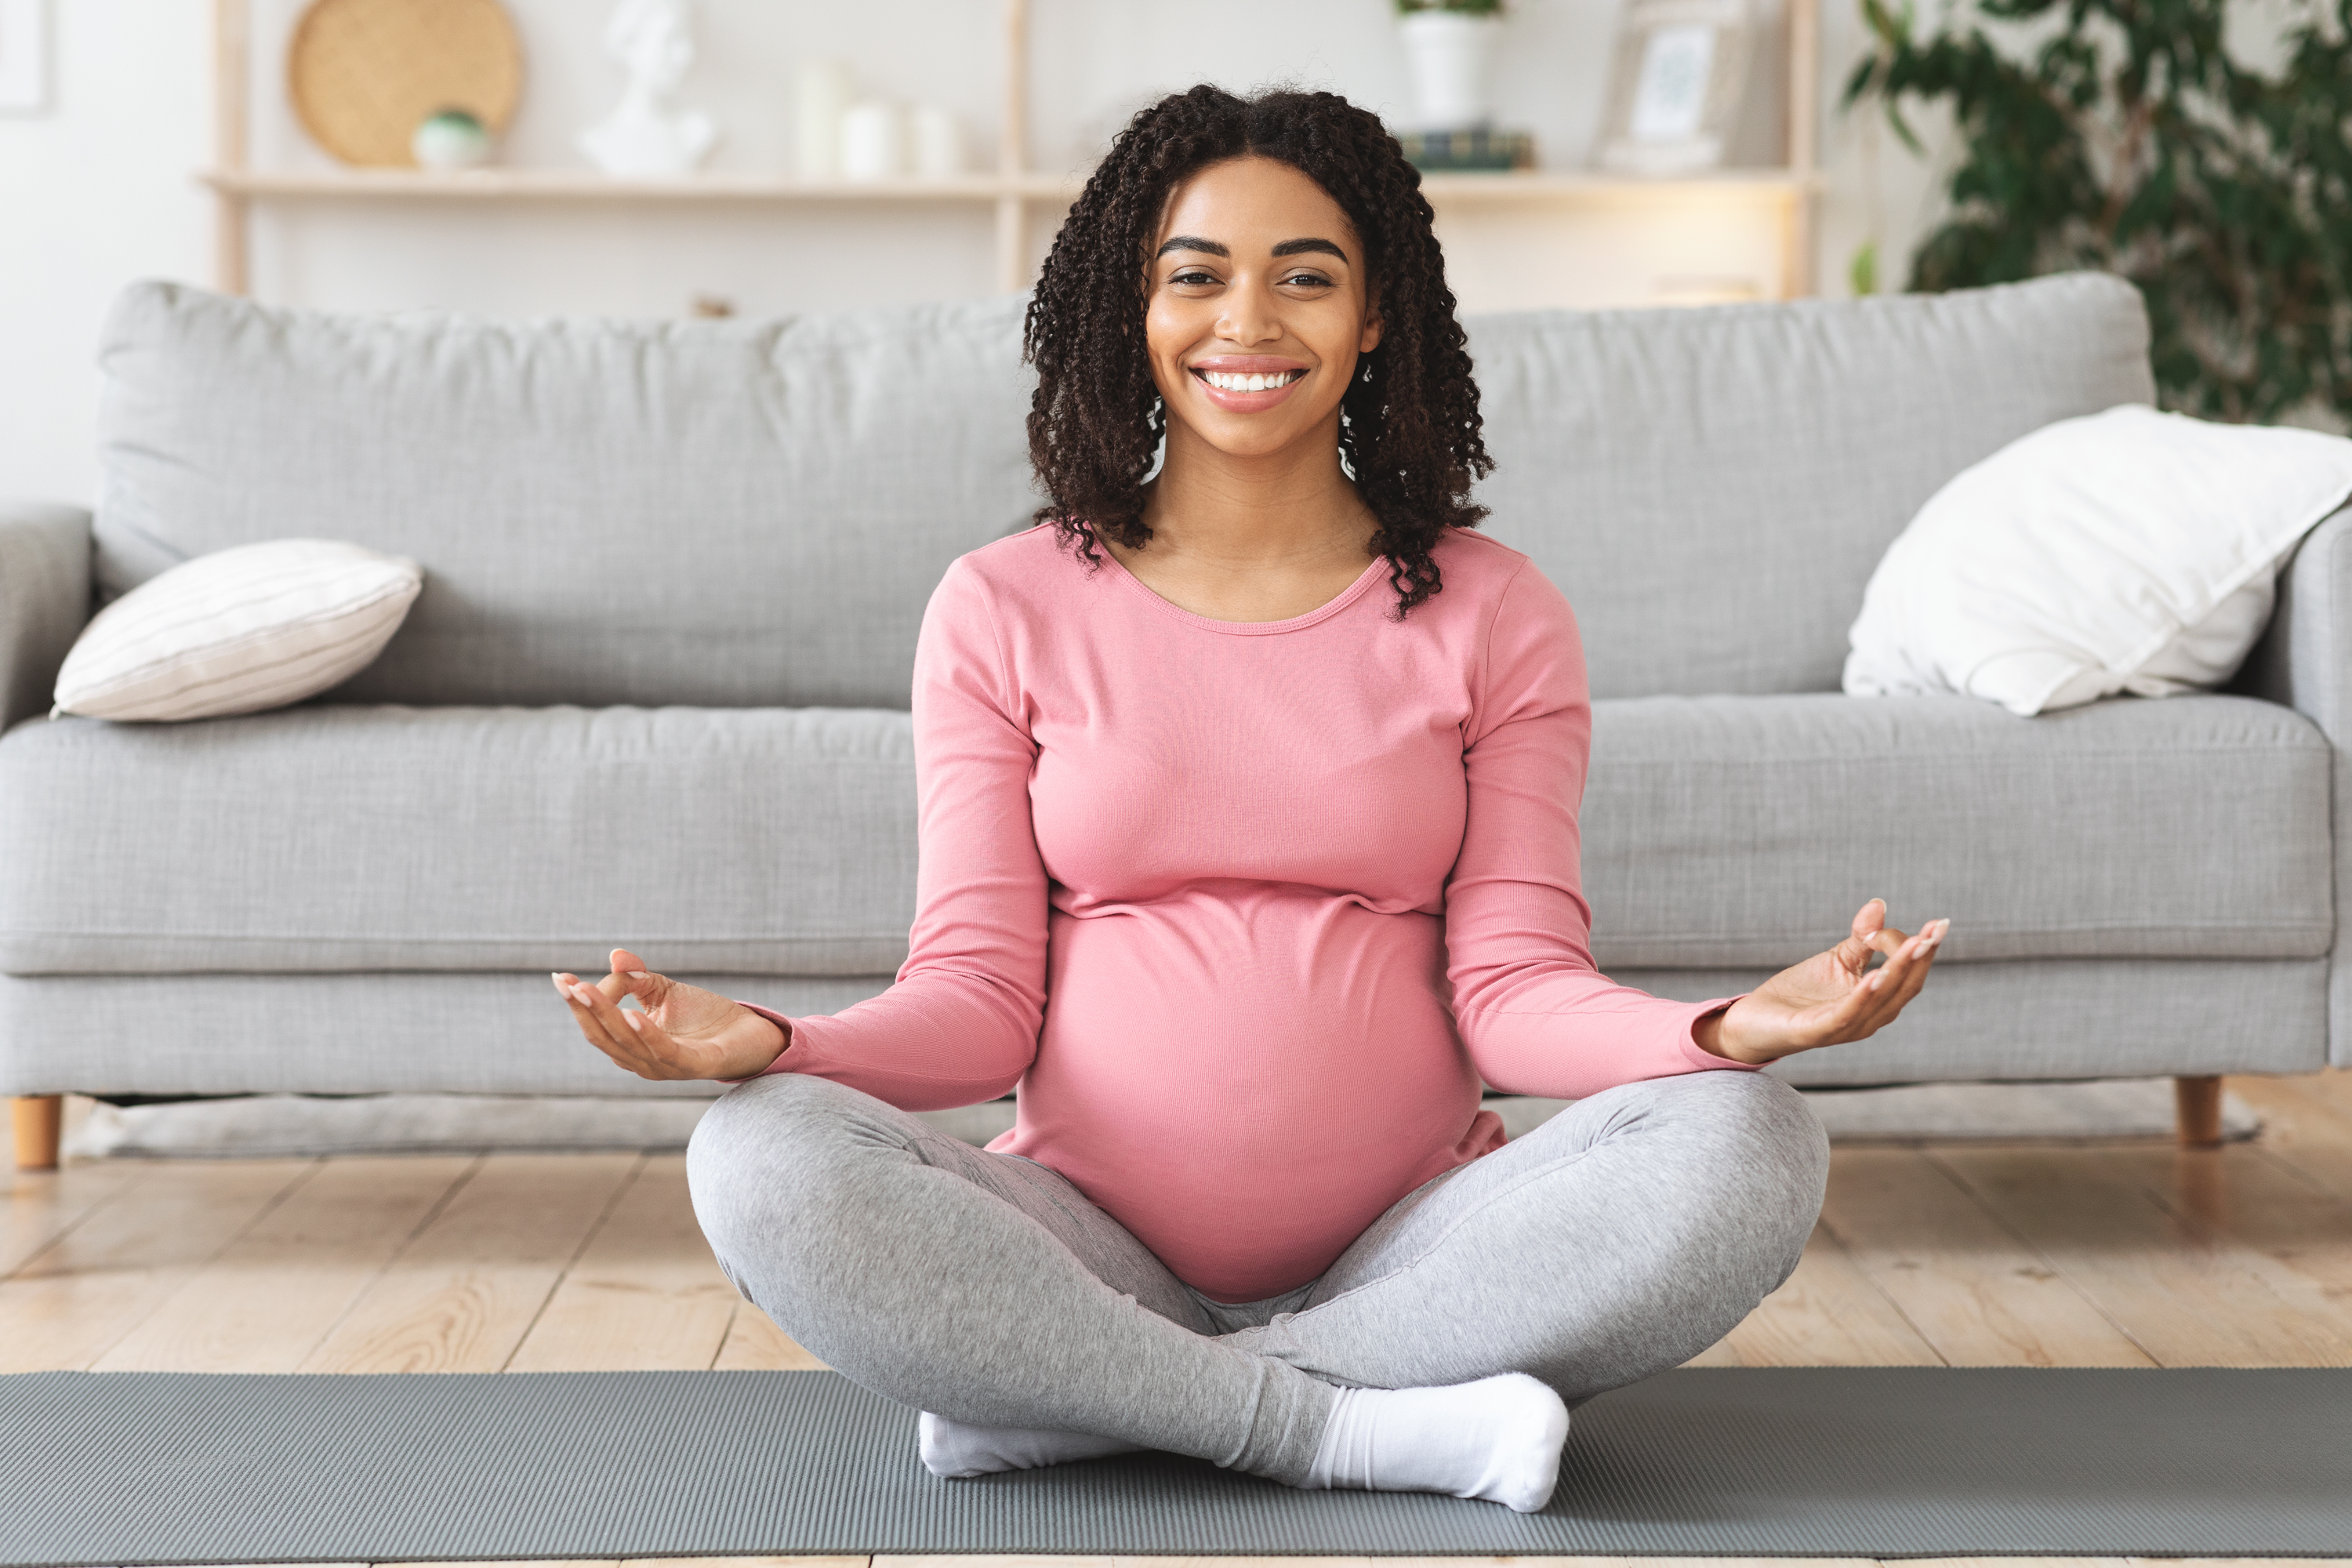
(741, 513)
(722, 513)
(1713, 487)
(1746, 831)
(1718, 832)
(764, 841)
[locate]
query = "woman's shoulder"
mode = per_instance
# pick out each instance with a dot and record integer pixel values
(1477, 557)
(1478, 570)
(1015, 569)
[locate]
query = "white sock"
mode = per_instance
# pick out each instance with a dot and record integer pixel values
(959, 1452)
(1498, 1438)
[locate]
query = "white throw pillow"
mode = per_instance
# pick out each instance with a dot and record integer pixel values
(237, 631)
(2128, 551)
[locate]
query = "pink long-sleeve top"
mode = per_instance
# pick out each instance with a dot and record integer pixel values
(1247, 910)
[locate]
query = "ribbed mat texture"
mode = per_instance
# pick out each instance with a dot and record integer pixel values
(160, 1467)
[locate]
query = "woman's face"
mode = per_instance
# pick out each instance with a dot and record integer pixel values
(1259, 306)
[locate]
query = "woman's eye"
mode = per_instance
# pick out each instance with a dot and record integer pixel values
(1308, 280)
(1193, 275)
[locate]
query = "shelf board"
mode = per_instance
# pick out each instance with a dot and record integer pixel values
(585, 186)
(1595, 184)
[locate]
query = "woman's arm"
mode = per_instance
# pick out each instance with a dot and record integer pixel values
(960, 1025)
(1536, 1014)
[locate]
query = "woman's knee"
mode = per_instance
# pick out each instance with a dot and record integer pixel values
(764, 1152)
(1764, 1147)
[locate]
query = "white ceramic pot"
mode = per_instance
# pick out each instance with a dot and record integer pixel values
(1449, 56)
(826, 89)
(873, 142)
(937, 143)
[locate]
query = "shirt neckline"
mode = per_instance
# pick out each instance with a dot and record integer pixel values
(1346, 596)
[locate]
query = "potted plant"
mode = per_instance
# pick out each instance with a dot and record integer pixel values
(1448, 47)
(2125, 137)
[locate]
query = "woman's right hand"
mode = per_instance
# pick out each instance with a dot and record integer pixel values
(684, 1031)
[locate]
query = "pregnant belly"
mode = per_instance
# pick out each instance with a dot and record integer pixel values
(1245, 1080)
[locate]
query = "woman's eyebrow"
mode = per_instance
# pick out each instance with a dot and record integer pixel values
(1194, 242)
(1301, 247)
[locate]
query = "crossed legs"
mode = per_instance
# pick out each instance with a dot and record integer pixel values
(1617, 1240)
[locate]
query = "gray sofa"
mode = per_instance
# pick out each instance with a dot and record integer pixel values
(654, 691)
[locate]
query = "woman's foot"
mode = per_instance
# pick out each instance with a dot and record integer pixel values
(958, 1452)
(1498, 1438)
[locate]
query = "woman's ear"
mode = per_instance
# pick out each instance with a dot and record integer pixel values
(1371, 339)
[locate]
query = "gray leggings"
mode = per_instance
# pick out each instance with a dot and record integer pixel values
(1620, 1238)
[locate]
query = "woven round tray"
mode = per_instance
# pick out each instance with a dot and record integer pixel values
(363, 74)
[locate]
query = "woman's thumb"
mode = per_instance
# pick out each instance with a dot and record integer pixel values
(636, 979)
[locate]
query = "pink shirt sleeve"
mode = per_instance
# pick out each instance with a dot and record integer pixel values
(961, 1024)
(1536, 1015)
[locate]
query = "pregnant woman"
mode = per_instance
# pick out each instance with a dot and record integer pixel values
(1248, 794)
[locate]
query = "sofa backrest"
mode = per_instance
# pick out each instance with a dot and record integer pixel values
(1712, 487)
(713, 513)
(731, 514)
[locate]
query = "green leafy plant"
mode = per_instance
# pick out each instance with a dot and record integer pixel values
(2121, 136)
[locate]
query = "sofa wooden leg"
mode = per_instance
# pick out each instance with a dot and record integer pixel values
(2196, 1103)
(38, 1120)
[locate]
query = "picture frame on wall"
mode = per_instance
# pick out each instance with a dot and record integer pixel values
(1677, 84)
(23, 57)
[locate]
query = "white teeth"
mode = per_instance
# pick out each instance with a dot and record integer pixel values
(1224, 381)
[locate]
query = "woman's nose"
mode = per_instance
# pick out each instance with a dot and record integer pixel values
(1249, 316)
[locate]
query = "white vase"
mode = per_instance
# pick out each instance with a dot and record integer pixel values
(873, 142)
(1448, 55)
(826, 88)
(937, 143)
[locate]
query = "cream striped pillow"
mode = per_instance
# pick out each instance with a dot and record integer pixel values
(237, 631)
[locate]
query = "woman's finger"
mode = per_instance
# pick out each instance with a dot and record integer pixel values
(1903, 976)
(1868, 922)
(591, 1030)
(623, 1049)
(660, 1058)
(1929, 941)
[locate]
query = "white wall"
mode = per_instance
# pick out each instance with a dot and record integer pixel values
(98, 191)
(93, 193)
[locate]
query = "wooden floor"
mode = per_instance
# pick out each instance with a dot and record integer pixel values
(2128, 1253)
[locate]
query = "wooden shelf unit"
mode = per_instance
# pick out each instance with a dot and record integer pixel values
(1012, 189)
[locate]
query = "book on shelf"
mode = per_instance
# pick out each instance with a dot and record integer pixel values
(1475, 149)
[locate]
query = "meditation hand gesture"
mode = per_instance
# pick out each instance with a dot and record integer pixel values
(1830, 998)
(684, 1031)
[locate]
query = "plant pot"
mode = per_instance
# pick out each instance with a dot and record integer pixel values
(1449, 55)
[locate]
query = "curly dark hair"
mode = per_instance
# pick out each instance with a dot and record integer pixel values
(1410, 427)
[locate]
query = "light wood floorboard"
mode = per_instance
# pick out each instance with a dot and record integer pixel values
(44, 1205)
(2187, 1295)
(461, 1296)
(69, 1303)
(644, 1293)
(1829, 1315)
(265, 1300)
(1972, 1289)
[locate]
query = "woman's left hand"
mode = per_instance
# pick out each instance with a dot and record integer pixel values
(1829, 999)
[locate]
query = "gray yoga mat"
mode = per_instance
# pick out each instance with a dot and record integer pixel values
(153, 1467)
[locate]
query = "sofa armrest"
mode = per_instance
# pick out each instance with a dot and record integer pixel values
(45, 575)
(2304, 660)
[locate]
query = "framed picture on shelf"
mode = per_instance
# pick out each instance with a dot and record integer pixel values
(23, 57)
(1676, 84)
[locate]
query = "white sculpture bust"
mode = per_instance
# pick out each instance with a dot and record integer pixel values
(644, 137)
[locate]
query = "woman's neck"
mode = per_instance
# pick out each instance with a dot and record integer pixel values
(1251, 538)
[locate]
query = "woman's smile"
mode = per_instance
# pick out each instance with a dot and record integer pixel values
(1247, 383)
